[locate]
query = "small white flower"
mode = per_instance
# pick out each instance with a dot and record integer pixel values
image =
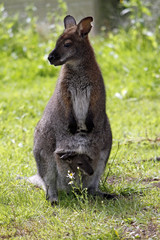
(24, 49)
(28, 20)
(20, 145)
(118, 95)
(45, 57)
(70, 175)
(13, 141)
(40, 67)
(124, 92)
(70, 183)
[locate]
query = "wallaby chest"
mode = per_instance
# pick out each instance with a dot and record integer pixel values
(80, 97)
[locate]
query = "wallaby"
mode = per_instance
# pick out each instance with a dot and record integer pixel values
(74, 130)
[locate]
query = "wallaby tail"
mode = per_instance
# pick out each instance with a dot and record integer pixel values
(37, 181)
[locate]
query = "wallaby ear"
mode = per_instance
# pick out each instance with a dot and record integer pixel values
(84, 26)
(69, 21)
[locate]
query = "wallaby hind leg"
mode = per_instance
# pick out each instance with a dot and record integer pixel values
(47, 170)
(94, 182)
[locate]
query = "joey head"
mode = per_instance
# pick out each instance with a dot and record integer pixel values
(76, 161)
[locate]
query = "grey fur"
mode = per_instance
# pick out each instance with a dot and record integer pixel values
(89, 135)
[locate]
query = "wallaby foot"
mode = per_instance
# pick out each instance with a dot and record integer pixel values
(37, 181)
(53, 199)
(98, 193)
(106, 195)
(52, 193)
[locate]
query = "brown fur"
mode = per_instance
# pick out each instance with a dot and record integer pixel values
(74, 120)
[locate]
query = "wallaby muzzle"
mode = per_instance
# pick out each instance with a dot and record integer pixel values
(54, 57)
(81, 161)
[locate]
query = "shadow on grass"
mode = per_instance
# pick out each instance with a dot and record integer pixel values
(128, 200)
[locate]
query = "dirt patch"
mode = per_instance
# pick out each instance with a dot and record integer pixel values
(148, 180)
(115, 180)
(156, 184)
(152, 230)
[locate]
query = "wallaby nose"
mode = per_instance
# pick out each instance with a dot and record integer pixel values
(90, 171)
(53, 56)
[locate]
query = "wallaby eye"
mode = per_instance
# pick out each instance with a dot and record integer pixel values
(69, 160)
(80, 164)
(67, 43)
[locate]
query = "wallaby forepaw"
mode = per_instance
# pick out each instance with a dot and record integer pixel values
(52, 199)
(54, 202)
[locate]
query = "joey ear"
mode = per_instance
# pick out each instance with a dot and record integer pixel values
(69, 21)
(65, 155)
(84, 26)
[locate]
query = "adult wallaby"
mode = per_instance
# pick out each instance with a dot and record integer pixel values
(74, 126)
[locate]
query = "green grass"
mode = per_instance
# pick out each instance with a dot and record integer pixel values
(132, 78)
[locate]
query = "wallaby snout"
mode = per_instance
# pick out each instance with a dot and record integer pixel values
(53, 57)
(77, 161)
(84, 163)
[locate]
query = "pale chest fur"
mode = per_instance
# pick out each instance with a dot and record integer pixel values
(80, 102)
